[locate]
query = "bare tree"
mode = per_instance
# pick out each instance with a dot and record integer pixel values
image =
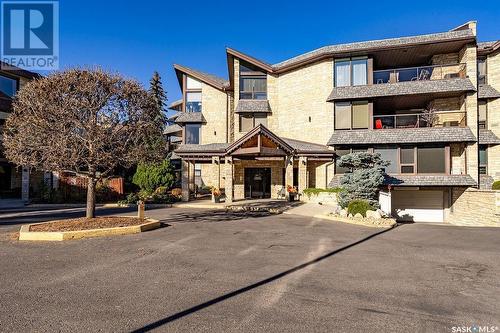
(86, 121)
(429, 116)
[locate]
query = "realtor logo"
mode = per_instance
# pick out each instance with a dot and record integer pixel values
(30, 34)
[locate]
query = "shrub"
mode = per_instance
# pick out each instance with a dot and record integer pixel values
(496, 185)
(316, 191)
(359, 206)
(151, 176)
(362, 181)
(132, 198)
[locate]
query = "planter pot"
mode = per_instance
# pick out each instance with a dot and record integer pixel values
(215, 199)
(291, 197)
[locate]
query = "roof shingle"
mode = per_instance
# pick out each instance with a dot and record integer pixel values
(402, 135)
(190, 117)
(253, 105)
(487, 91)
(487, 137)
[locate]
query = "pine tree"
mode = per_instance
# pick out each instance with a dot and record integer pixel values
(159, 97)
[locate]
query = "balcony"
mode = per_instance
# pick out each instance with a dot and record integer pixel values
(423, 73)
(421, 119)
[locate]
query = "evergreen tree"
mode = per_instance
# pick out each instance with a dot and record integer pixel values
(362, 181)
(159, 97)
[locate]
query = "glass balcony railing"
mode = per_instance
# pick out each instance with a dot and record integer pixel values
(422, 119)
(423, 73)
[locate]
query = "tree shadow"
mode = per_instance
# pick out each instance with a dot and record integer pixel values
(237, 292)
(218, 215)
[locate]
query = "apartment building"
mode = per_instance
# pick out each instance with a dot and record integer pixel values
(429, 104)
(14, 181)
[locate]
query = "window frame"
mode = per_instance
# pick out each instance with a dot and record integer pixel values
(480, 165)
(482, 124)
(186, 91)
(482, 78)
(350, 151)
(252, 116)
(13, 78)
(251, 72)
(186, 126)
(351, 70)
(351, 114)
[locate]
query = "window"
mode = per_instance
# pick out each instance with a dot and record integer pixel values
(431, 160)
(407, 160)
(353, 115)
(342, 152)
(8, 86)
(483, 160)
(253, 82)
(193, 133)
(351, 72)
(483, 114)
(391, 155)
(197, 170)
(193, 101)
(253, 87)
(481, 70)
(250, 120)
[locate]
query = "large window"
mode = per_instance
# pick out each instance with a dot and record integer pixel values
(407, 160)
(193, 101)
(391, 155)
(342, 152)
(351, 72)
(483, 160)
(253, 82)
(8, 86)
(193, 133)
(431, 160)
(250, 120)
(481, 70)
(483, 114)
(352, 115)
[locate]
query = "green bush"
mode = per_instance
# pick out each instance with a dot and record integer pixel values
(316, 191)
(496, 185)
(151, 176)
(359, 206)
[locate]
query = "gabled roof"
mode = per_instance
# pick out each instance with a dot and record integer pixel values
(260, 130)
(18, 71)
(214, 81)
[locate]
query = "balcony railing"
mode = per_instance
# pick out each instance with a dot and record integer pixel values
(423, 73)
(422, 119)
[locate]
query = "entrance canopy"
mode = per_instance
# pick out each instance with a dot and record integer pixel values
(260, 142)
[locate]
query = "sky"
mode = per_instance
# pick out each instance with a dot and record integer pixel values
(136, 38)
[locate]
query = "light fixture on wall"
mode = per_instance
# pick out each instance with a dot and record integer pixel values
(215, 133)
(309, 118)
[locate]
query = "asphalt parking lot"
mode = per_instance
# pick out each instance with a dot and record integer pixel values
(208, 271)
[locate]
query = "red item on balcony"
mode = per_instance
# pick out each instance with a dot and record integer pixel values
(378, 124)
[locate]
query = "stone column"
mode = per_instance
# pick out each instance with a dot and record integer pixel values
(185, 180)
(25, 184)
(302, 174)
(191, 177)
(229, 180)
(216, 163)
(288, 173)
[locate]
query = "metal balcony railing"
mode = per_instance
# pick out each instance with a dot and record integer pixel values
(422, 73)
(422, 119)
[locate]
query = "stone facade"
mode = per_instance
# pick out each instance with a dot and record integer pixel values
(214, 105)
(493, 116)
(475, 207)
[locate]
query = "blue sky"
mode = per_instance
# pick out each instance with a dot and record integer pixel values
(136, 38)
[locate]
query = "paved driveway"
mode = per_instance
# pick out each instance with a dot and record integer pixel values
(213, 272)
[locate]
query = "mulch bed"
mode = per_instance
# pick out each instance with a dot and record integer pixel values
(85, 224)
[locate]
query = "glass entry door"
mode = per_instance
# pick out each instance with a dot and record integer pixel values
(257, 183)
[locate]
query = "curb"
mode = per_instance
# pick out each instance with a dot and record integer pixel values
(26, 235)
(350, 221)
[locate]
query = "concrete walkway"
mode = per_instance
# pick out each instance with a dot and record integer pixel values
(310, 209)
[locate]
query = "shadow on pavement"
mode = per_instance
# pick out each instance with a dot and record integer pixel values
(213, 216)
(237, 292)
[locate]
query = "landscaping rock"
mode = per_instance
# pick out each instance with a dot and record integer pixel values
(358, 216)
(350, 215)
(343, 213)
(376, 215)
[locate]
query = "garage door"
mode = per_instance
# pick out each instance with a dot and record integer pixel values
(418, 205)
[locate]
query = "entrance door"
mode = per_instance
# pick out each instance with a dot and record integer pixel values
(257, 183)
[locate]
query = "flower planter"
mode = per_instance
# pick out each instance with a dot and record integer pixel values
(215, 199)
(291, 197)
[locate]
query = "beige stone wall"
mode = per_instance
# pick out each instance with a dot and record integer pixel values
(468, 56)
(302, 94)
(214, 108)
(457, 152)
(445, 59)
(211, 175)
(236, 119)
(493, 71)
(473, 207)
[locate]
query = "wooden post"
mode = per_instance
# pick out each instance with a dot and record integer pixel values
(140, 209)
